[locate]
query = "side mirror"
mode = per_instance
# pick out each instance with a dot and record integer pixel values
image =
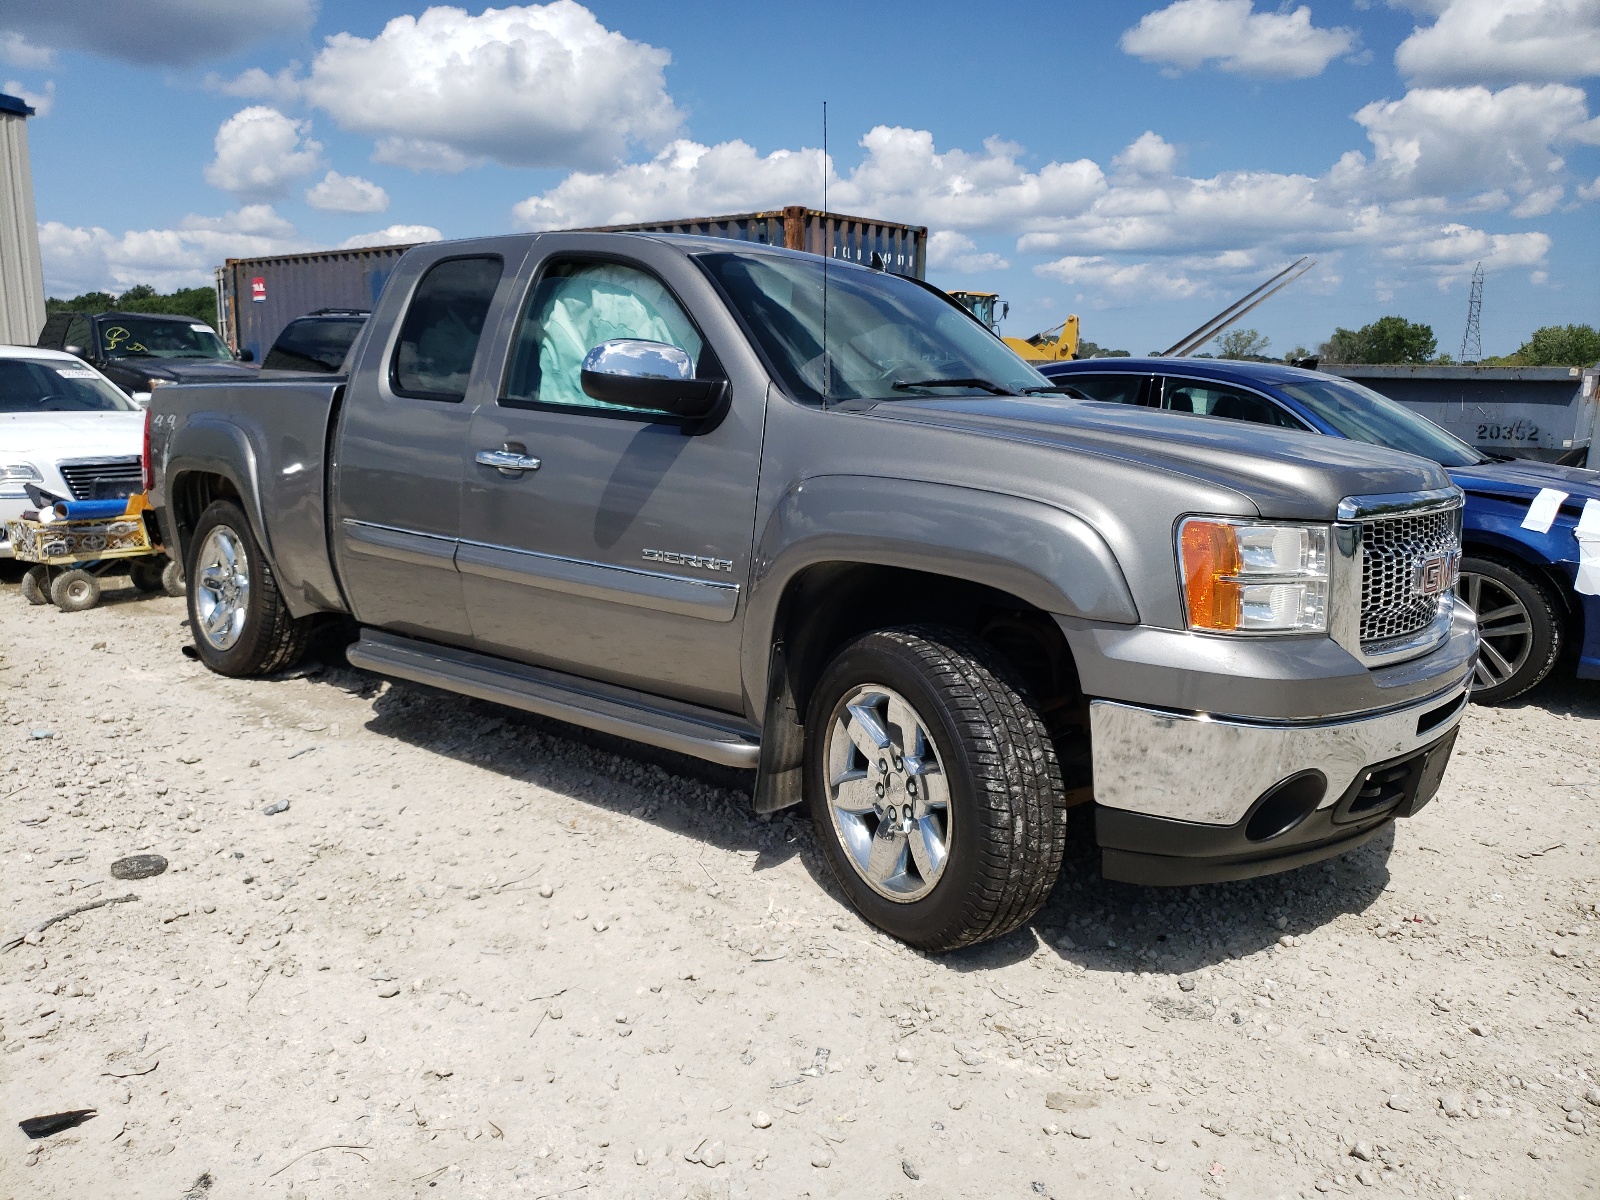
(77, 350)
(247, 355)
(647, 375)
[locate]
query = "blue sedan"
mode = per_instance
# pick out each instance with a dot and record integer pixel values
(1519, 581)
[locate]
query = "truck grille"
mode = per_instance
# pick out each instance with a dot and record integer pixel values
(1405, 560)
(103, 478)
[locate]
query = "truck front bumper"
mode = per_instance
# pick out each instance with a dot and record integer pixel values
(1187, 798)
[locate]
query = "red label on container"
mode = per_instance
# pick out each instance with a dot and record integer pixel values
(258, 289)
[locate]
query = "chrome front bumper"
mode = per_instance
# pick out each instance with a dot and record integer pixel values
(1210, 770)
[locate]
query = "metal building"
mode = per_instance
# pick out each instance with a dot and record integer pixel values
(21, 276)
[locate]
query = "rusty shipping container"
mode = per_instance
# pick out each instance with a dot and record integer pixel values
(900, 249)
(257, 297)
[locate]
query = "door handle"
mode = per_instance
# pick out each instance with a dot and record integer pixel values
(507, 462)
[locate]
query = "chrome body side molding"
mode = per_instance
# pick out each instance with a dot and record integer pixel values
(669, 724)
(680, 594)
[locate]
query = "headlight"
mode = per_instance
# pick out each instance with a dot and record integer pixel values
(153, 383)
(1241, 577)
(14, 475)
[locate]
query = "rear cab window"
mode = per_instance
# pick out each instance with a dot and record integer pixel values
(442, 327)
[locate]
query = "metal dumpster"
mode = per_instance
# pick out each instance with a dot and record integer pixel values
(1542, 413)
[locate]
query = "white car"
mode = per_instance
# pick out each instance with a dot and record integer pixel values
(66, 428)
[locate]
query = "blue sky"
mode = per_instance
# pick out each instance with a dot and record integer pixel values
(1137, 163)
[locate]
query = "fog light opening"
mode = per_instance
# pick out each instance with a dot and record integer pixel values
(1286, 805)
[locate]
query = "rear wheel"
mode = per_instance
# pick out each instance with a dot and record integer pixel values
(145, 574)
(241, 625)
(36, 584)
(1519, 627)
(934, 787)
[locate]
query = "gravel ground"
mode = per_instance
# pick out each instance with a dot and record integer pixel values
(484, 955)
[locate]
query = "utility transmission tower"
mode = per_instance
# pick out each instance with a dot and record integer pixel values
(1472, 339)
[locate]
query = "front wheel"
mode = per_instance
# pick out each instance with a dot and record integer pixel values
(934, 787)
(1519, 628)
(241, 625)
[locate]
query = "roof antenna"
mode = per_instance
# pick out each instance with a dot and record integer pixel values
(827, 253)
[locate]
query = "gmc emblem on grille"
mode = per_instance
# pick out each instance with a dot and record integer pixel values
(1436, 573)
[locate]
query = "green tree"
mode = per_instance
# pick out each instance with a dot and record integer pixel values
(1088, 349)
(1243, 343)
(1386, 340)
(198, 304)
(1561, 346)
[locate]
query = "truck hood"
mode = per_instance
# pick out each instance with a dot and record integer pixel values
(56, 435)
(190, 370)
(1286, 474)
(1524, 478)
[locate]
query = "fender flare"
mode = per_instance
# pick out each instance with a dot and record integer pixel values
(1046, 556)
(209, 444)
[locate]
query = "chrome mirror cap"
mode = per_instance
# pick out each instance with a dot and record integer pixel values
(635, 358)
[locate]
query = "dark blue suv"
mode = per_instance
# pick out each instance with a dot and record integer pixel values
(1520, 582)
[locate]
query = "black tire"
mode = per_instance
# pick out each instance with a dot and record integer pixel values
(1006, 826)
(172, 582)
(36, 584)
(74, 590)
(1517, 648)
(145, 574)
(267, 638)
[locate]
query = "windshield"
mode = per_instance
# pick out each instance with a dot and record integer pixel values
(312, 344)
(888, 337)
(1362, 415)
(32, 385)
(130, 336)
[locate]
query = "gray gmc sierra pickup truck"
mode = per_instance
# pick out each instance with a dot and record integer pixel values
(790, 514)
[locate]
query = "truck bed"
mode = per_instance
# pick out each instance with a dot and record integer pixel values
(282, 427)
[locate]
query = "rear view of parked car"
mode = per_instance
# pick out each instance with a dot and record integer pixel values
(1522, 582)
(316, 342)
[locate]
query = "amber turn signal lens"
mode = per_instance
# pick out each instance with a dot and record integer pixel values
(1210, 561)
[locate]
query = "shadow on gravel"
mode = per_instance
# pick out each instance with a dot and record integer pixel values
(1117, 927)
(1111, 927)
(1563, 694)
(627, 779)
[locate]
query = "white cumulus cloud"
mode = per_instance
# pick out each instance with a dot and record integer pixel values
(261, 154)
(255, 84)
(419, 155)
(1274, 45)
(19, 52)
(532, 86)
(951, 251)
(174, 33)
(1439, 141)
(1115, 280)
(393, 235)
(347, 194)
(79, 259)
(902, 177)
(1502, 41)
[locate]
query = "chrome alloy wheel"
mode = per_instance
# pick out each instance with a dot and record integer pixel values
(222, 587)
(1505, 630)
(887, 793)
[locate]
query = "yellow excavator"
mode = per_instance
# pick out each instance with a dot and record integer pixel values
(1059, 343)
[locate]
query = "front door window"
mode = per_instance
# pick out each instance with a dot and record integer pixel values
(575, 308)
